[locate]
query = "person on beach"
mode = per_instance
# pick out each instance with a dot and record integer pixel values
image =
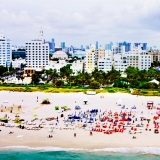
(91, 133)
(75, 134)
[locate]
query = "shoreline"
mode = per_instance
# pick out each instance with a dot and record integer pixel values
(120, 150)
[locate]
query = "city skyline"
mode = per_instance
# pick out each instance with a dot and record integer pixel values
(76, 22)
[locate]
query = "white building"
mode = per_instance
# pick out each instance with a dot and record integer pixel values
(60, 55)
(16, 63)
(76, 66)
(78, 54)
(105, 64)
(144, 61)
(37, 55)
(120, 63)
(118, 49)
(5, 51)
(138, 58)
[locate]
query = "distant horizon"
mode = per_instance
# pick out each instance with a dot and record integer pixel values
(84, 46)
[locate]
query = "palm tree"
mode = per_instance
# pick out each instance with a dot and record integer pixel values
(22, 78)
(48, 73)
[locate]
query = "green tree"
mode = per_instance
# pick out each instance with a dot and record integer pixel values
(95, 85)
(2, 70)
(66, 71)
(59, 83)
(35, 78)
(22, 78)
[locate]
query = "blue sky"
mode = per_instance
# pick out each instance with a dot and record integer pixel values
(81, 21)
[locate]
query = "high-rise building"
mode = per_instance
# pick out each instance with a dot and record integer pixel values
(118, 49)
(18, 54)
(126, 45)
(138, 57)
(155, 55)
(99, 53)
(120, 63)
(81, 47)
(96, 44)
(87, 47)
(90, 62)
(5, 51)
(51, 46)
(143, 45)
(63, 45)
(37, 54)
(109, 46)
(105, 63)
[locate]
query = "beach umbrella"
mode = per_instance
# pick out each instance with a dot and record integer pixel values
(85, 100)
(120, 102)
(52, 130)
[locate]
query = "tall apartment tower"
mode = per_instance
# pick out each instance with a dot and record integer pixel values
(99, 53)
(90, 61)
(63, 45)
(5, 51)
(37, 54)
(97, 45)
(143, 45)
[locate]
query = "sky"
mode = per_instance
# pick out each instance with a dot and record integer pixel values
(81, 22)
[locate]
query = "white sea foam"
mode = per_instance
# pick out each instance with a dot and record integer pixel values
(134, 150)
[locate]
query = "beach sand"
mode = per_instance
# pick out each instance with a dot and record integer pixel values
(65, 138)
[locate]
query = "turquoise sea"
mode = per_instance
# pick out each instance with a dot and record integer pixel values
(42, 154)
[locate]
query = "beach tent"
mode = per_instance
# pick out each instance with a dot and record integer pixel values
(154, 81)
(77, 107)
(134, 107)
(85, 100)
(123, 107)
(120, 102)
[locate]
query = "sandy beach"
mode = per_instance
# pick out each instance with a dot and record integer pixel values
(64, 136)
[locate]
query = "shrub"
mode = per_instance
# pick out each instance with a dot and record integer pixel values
(144, 92)
(111, 91)
(56, 107)
(136, 92)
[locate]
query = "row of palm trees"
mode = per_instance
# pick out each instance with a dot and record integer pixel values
(134, 77)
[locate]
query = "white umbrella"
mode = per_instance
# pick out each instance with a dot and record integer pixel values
(120, 102)
(85, 99)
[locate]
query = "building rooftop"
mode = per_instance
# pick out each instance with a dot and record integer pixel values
(59, 53)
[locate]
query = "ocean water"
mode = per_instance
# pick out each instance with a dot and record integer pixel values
(25, 153)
